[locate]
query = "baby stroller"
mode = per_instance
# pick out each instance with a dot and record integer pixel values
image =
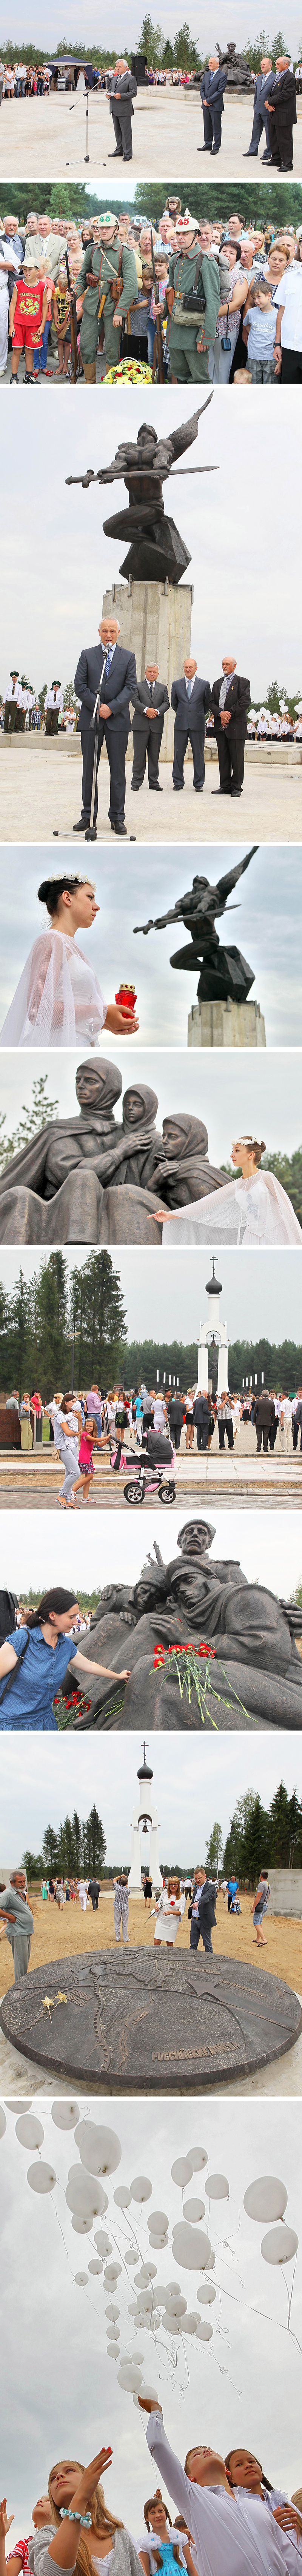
(147, 1468)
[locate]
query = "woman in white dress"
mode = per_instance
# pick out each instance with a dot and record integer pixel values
(58, 1001)
(170, 1907)
(252, 1210)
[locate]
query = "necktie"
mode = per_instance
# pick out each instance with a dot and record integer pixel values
(188, 688)
(108, 665)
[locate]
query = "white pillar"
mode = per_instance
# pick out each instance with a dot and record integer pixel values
(135, 1878)
(223, 1358)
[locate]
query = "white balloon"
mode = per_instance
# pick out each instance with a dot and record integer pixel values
(198, 2157)
(95, 2265)
(81, 2226)
(171, 2286)
(217, 2187)
(155, 2320)
(102, 2241)
(146, 2391)
(131, 2254)
(129, 2377)
(190, 2324)
(113, 2337)
(41, 2177)
(81, 2279)
(206, 2294)
(204, 2331)
(83, 2195)
(112, 2312)
(141, 2189)
(112, 2274)
(14, 2106)
(112, 2351)
(158, 2241)
(29, 2131)
(104, 2143)
(65, 2114)
(2, 2122)
(121, 2196)
(158, 2222)
(172, 2325)
(191, 2248)
(182, 2171)
(280, 2245)
(142, 2278)
(266, 2198)
(194, 2210)
(175, 2303)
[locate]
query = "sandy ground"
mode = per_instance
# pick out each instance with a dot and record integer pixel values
(167, 135)
(41, 781)
(58, 1935)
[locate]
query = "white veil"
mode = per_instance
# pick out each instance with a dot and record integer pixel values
(251, 1212)
(45, 1010)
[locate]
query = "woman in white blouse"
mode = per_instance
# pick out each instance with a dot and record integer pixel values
(169, 1909)
(58, 1001)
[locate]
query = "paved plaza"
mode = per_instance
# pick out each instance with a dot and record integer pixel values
(239, 1478)
(41, 795)
(49, 135)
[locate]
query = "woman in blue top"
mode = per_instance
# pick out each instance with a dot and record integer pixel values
(34, 1663)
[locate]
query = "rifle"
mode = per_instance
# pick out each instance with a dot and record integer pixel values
(73, 322)
(160, 360)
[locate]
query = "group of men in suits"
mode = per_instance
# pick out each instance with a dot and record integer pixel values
(275, 111)
(109, 667)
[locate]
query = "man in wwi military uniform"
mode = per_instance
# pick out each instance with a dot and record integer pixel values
(109, 265)
(188, 335)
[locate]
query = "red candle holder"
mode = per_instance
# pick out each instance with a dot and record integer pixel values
(126, 995)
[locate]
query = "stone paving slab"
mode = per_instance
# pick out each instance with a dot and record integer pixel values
(41, 135)
(41, 783)
(151, 2024)
(251, 1481)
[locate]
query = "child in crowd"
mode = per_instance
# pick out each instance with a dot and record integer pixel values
(162, 274)
(260, 332)
(89, 1441)
(61, 312)
(27, 315)
(40, 354)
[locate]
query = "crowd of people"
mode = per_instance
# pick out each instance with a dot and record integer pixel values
(219, 2503)
(195, 1895)
(248, 324)
(74, 1427)
(21, 712)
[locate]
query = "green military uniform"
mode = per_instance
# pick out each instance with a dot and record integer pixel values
(186, 360)
(104, 264)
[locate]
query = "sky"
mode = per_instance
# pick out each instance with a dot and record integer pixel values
(52, 591)
(49, 21)
(267, 927)
(261, 1294)
(243, 2386)
(264, 1096)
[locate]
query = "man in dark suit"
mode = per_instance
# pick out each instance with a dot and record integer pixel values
(282, 114)
(123, 89)
(201, 1913)
(118, 685)
(262, 91)
(230, 700)
(212, 85)
(150, 700)
(191, 698)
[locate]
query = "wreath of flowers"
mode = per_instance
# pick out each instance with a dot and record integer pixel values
(130, 372)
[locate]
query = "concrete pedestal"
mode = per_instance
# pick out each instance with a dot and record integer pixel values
(226, 1024)
(286, 1892)
(155, 624)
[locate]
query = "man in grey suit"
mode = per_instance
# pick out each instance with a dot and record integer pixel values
(191, 698)
(123, 88)
(263, 85)
(212, 85)
(150, 700)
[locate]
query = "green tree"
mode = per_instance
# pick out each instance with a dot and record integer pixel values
(151, 40)
(215, 1849)
(32, 1862)
(96, 1842)
(42, 696)
(50, 1848)
(185, 51)
(34, 1117)
(77, 1838)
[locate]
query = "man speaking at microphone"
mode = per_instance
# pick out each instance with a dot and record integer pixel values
(118, 685)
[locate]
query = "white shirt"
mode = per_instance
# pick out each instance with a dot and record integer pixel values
(14, 693)
(289, 293)
(55, 699)
(159, 1415)
(240, 2542)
